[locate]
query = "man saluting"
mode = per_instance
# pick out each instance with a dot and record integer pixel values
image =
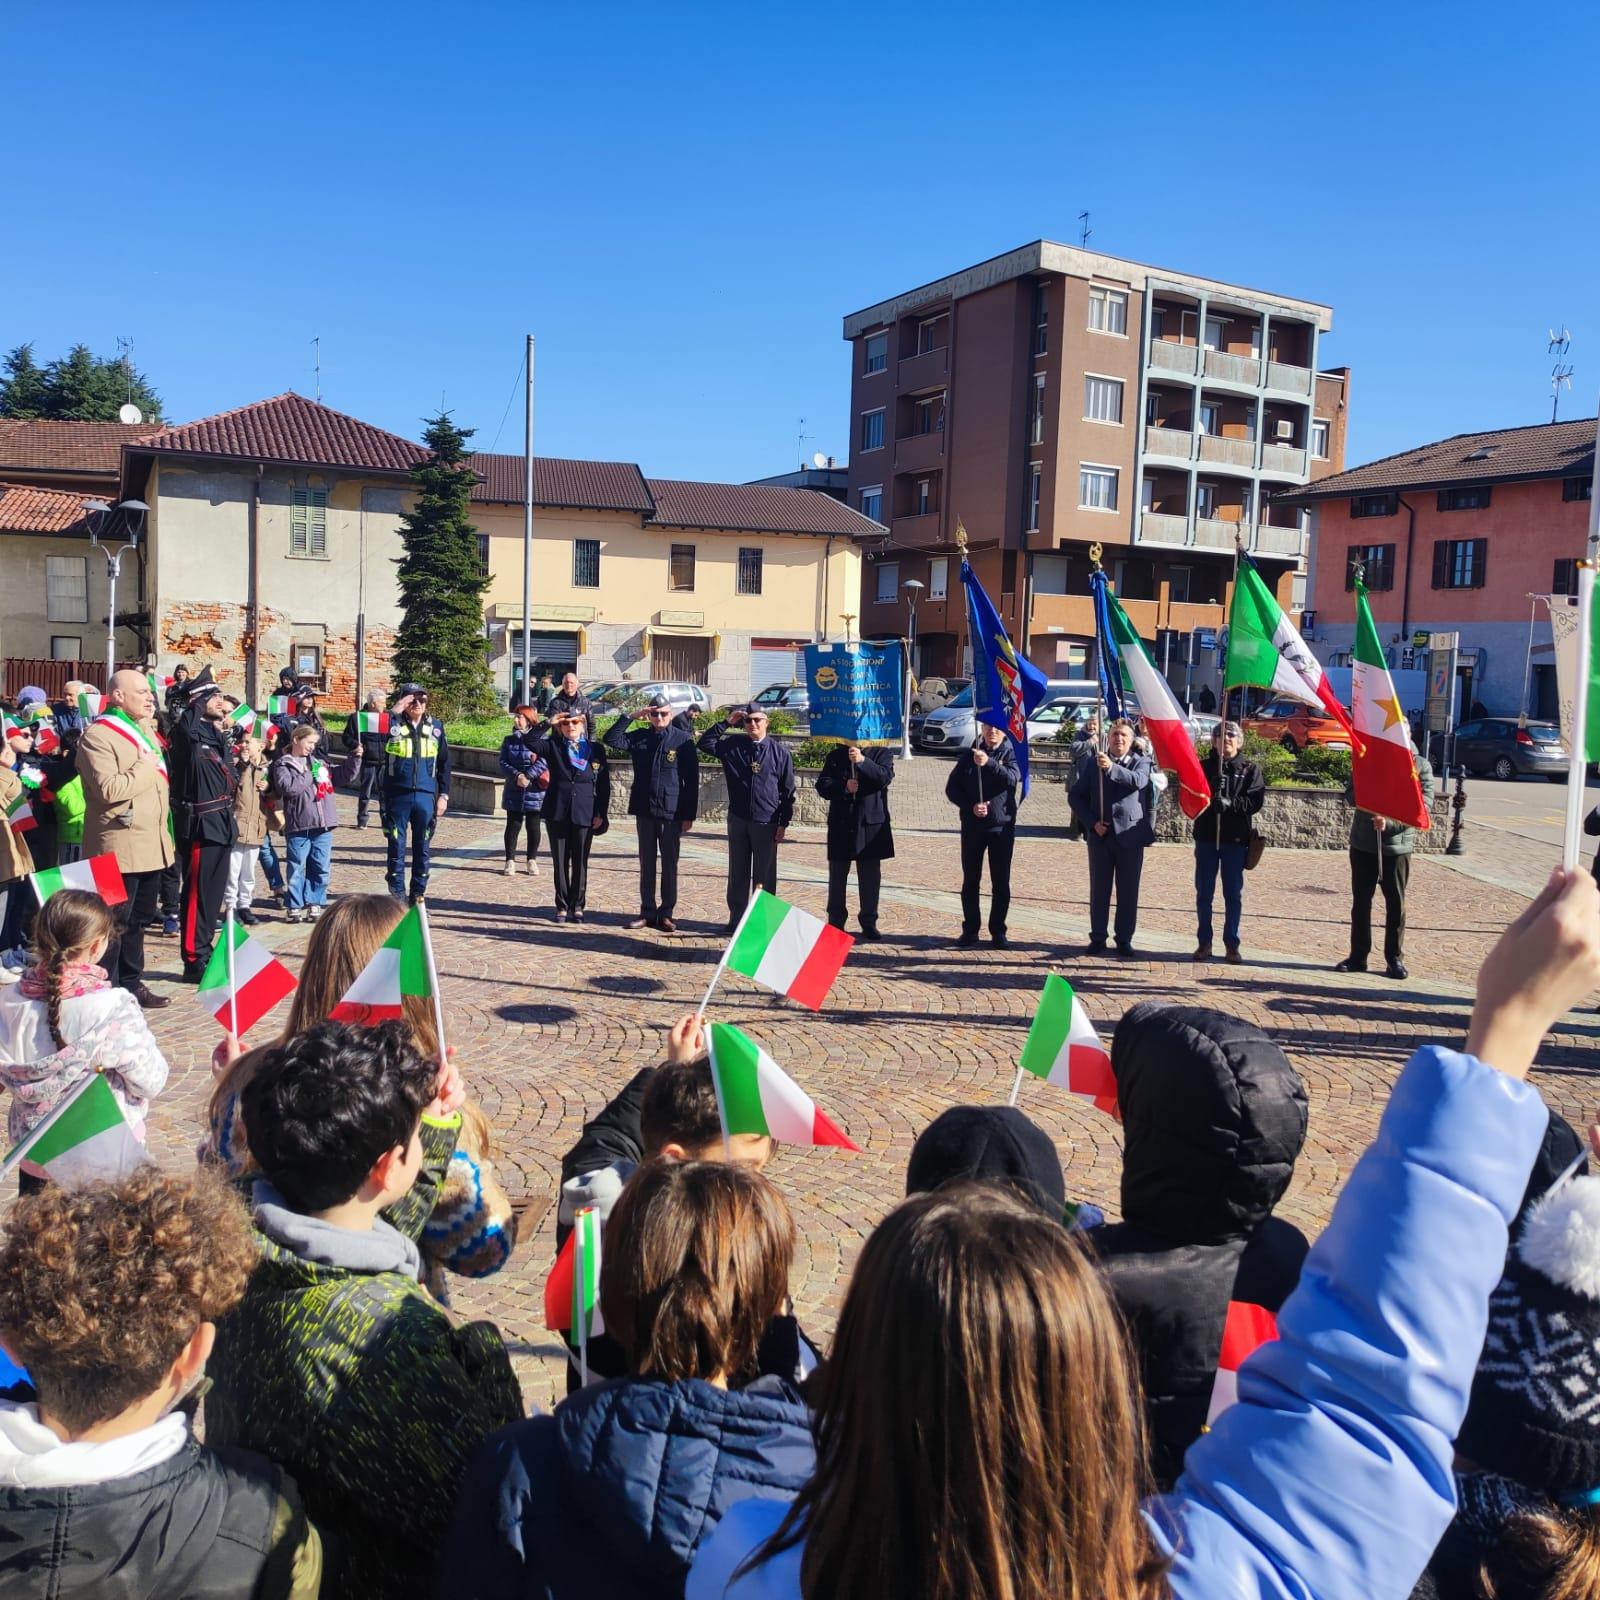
(663, 802)
(760, 774)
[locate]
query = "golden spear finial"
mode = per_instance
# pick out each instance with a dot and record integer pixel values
(961, 538)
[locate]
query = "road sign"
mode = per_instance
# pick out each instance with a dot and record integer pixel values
(1206, 638)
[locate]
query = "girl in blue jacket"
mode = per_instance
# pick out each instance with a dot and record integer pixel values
(527, 780)
(978, 1428)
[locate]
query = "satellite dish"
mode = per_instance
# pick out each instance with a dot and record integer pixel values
(819, 460)
(130, 413)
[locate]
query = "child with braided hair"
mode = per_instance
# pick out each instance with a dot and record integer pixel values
(65, 1020)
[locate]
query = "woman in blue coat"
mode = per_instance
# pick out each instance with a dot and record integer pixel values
(527, 780)
(979, 1433)
(610, 1497)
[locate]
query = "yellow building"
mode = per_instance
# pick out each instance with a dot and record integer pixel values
(53, 587)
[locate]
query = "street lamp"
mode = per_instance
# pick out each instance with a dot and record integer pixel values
(99, 515)
(913, 588)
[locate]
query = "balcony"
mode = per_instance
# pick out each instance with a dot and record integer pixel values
(1283, 458)
(1271, 540)
(1229, 452)
(1212, 533)
(921, 531)
(1166, 355)
(919, 452)
(1177, 443)
(1245, 370)
(925, 371)
(1292, 380)
(1157, 527)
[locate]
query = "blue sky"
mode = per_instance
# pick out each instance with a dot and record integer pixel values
(683, 201)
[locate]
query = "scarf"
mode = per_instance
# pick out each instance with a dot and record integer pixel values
(125, 727)
(578, 755)
(77, 977)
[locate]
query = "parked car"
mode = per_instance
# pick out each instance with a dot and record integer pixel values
(952, 726)
(1049, 719)
(1294, 725)
(1500, 746)
(795, 698)
(690, 697)
(932, 693)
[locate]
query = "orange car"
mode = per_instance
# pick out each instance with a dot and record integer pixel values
(1294, 725)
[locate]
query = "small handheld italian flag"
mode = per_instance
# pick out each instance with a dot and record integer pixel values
(241, 991)
(98, 875)
(87, 1136)
(372, 722)
(242, 716)
(46, 741)
(321, 777)
(1063, 1048)
(1248, 1328)
(20, 813)
(572, 1291)
(755, 1095)
(787, 949)
(159, 682)
(89, 704)
(399, 968)
(281, 705)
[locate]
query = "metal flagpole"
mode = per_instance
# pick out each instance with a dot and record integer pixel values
(1578, 756)
(433, 979)
(580, 1269)
(1015, 1088)
(527, 536)
(1100, 740)
(233, 985)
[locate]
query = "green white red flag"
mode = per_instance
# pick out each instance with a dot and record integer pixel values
(1383, 769)
(98, 875)
(372, 722)
(281, 705)
(241, 992)
(755, 1095)
(787, 949)
(1063, 1048)
(572, 1291)
(1248, 1328)
(398, 968)
(242, 717)
(89, 704)
(88, 1136)
(1265, 650)
(322, 778)
(19, 813)
(159, 682)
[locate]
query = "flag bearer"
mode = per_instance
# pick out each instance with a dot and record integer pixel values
(1113, 799)
(416, 788)
(1222, 838)
(1380, 858)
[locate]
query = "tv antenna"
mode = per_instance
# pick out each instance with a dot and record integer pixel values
(1084, 230)
(316, 364)
(1561, 372)
(800, 440)
(128, 412)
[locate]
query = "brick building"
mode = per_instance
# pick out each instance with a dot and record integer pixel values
(1052, 398)
(1457, 536)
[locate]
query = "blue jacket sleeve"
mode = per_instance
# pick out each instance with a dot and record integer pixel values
(1332, 1474)
(441, 767)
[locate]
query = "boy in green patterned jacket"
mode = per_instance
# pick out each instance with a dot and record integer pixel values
(337, 1364)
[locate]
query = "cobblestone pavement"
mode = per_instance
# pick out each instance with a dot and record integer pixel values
(549, 1021)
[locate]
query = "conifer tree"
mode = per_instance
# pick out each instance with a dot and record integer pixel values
(79, 387)
(441, 640)
(22, 390)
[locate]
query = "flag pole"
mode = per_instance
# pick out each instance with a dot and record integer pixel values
(433, 980)
(1016, 1088)
(1578, 756)
(580, 1279)
(722, 965)
(233, 986)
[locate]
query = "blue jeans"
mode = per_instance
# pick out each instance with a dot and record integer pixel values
(1207, 858)
(269, 865)
(310, 855)
(409, 813)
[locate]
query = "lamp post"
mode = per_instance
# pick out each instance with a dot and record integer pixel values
(99, 514)
(913, 588)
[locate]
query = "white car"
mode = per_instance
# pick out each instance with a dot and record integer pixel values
(690, 697)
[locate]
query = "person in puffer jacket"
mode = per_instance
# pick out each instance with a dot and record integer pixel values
(1213, 1119)
(610, 1497)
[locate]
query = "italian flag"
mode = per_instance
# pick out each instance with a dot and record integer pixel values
(87, 1136)
(46, 741)
(1382, 767)
(372, 722)
(320, 777)
(1063, 1048)
(89, 704)
(1265, 650)
(1248, 1328)
(280, 705)
(1164, 720)
(98, 875)
(399, 968)
(20, 813)
(572, 1291)
(240, 992)
(240, 717)
(755, 1094)
(787, 949)
(158, 682)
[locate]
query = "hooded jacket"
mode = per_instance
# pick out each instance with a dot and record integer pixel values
(610, 1496)
(1213, 1119)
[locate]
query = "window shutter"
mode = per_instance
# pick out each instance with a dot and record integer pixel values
(298, 537)
(318, 522)
(1480, 562)
(1441, 563)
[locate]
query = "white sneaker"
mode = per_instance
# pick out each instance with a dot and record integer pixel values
(533, 869)
(314, 913)
(509, 870)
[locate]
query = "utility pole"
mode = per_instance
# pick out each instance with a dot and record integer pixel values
(527, 536)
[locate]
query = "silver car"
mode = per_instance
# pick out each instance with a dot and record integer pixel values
(691, 697)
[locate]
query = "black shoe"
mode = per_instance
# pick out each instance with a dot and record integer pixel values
(665, 925)
(871, 936)
(561, 916)
(577, 916)
(192, 972)
(999, 941)
(967, 941)
(149, 1000)
(1095, 947)
(1127, 952)
(247, 917)
(361, 822)
(1396, 969)
(1350, 964)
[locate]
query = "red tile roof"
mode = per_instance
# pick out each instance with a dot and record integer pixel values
(564, 485)
(289, 428)
(755, 508)
(1542, 450)
(27, 510)
(92, 448)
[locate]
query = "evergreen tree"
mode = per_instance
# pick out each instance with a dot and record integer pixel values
(440, 642)
(22, 390)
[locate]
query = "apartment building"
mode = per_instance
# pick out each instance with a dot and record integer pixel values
(1054, 398)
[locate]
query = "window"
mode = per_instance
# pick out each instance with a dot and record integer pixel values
(1205, 499)
(939, 577)
(308, 661)
(1041, 318)
(1211, 419)
(680, 569)
(872, 430)
(1319, 438)
(1565, 580)
(66, 588)
(585, 563)
(927, 414)
(308, 523)
(1460, 563)
(1216, 333)
(888, 582)
(1178, 584)
(1577, 488)
(872, 502)
(1152, 410)
(1102, 399)
(1158, 323)
(924, 500)
(1373, 505)
(877, 352)
(1097, 488)
(483, 555)
(749, 571)
(66, 646)
(1036, 423)
(1378, 562)
(931, 333)
(1108, 310)
(1035, 486)
(1475, 498)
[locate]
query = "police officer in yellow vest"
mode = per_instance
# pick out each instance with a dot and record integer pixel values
(416, 788)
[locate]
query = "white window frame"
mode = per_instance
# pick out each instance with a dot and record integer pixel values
(892, 568)
(71, 602)
(1221, 323)
(1326, 424)
(1041, 319)
(1035, 494)
(1147, 494)
(924, 493)
(1102, 469)
(928, 322)
(930, 406)
(1104, 295)
(867, 368)
(308, 524)
(876, 490)
(879, 412)
(1036, 421)
(1215, 408)
(939, 578)
(1121, 393)
(1205, 501)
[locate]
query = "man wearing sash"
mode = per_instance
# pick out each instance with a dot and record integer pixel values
(126, 814)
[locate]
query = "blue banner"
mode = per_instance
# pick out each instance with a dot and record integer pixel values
(858, 692)
(1108, 662)
(1006, 687)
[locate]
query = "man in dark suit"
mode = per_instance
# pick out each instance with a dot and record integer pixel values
(663, 802)
(574, 808)
(855, 783)
(1113, 799)
(760, 775)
